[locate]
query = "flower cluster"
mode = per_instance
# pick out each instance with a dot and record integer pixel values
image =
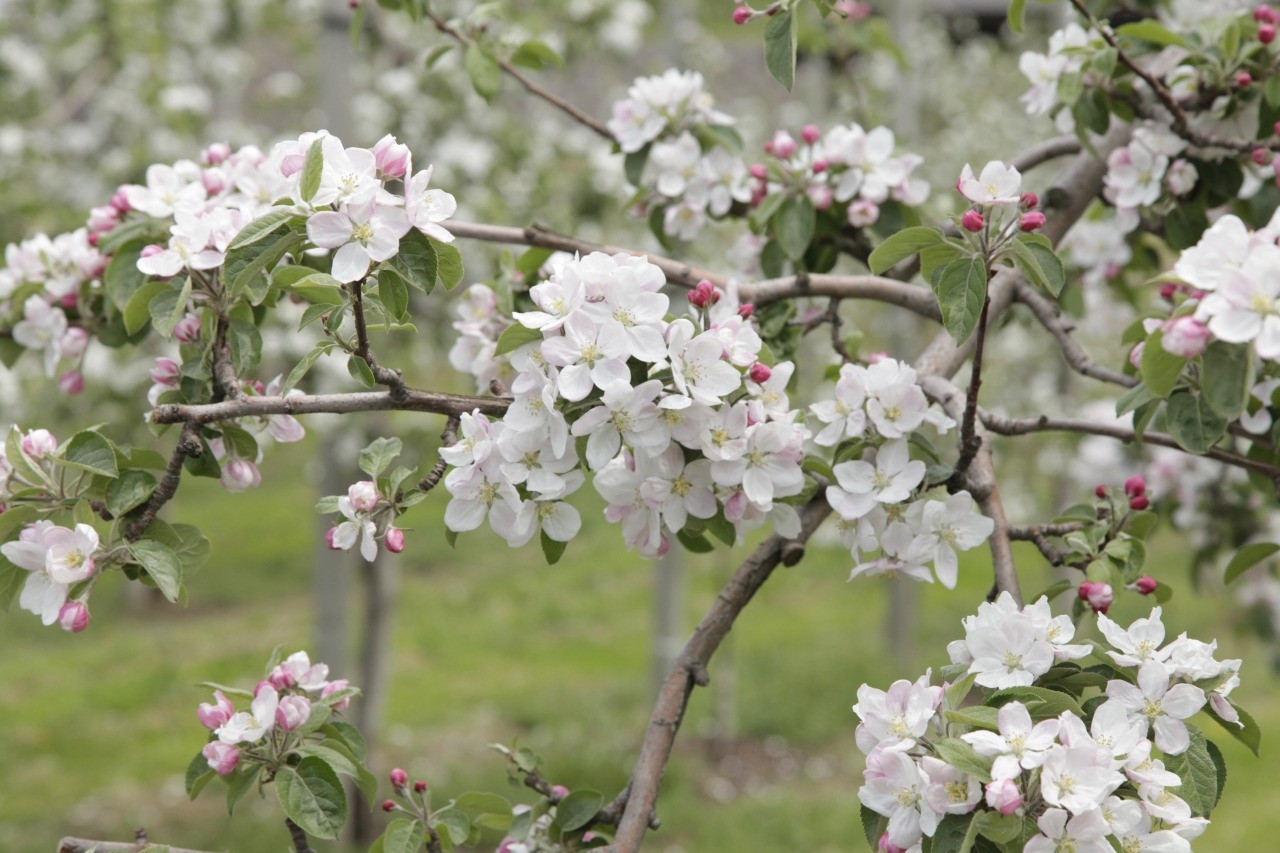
(479, 326)
(664, 105)
(57, 558)
(678, 420)
(878, 489)
(294, 699)
(1063, 779)
(368, 517)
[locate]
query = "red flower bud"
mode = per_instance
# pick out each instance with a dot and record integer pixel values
(1135, 486)
(972, 221)
(1101, 491)
(1030, 201)
(1168, 291)
(388, 805)
(746, 309)
(1139, 503)
(810, 133)
(1244, 79)
(1266, 33)
(760, 373)
(395, 540)
(1146, 585)
(399, 778)
(741, 15)
(419, 786)
(1032, 221)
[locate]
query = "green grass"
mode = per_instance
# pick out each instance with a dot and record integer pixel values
(493, 645)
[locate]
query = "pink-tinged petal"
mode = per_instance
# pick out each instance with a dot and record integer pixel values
(43, 597)
(461, 516)
(1182, 701)
(350, 263)
(329, 229)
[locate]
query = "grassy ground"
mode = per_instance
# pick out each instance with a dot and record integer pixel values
(492, 645)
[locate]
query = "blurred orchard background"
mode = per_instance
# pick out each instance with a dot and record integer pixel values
(460, 648)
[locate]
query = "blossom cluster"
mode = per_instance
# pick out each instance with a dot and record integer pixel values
(367, 517)
(879, 494)
(1082, 776)
(675, 418)
(284, 701)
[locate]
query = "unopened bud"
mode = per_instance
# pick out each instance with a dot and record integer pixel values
(1101, 491)
(782, 145)
(1261, 156)
(559, 791)
(388, 805)
(819, 166)
(810, 133)
(187, 330)
(704, 295)
(71, 382)
(1032, 221)
(758, 171)
(395, 540)
(820, 195)
(391, 157)
(972, 221)
(741, 15)
(1168, 291)
(73, 617)
(1146, 585)
(1135, 486)
(746, 309)
(1244, 79)
(419, 786)
(328, 539)
(1097, 595)
(1030, 201)
(1139, 503)
(148, 251)
(216, 153)
(760, 373)
(399, 778)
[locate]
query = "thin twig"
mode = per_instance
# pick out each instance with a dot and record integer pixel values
(447, 437)
(86, 845)
(188, 446)
(574, 112)
(393, 379)
(300, 843)
(1047, 313)
(969, 438)
(226, 385)
(338, 404)
(1027, 532)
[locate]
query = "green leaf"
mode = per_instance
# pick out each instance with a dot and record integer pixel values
(1226, 378)
(312, 797)
(873, 826)
(258, 246)
(576, 810)
(1041, 702)
(515, 336)
(335, 754)
(1149, 30)
(935, 257)
(977, 716)
(485, 809)
(1248, 734)
(1192, 423)
(138, 312)
(312, 168)
(308, 361)
(551, 549)
(92, 452)
(1161, 369)
(198, 774)
(449, 264)
(794, 226)
(122, 278)
(1017, 15)
(130, 489)
(901, 246)
(999, 828)
(394, 295)
(1040, 265)
(780, 48)
(403, 836)
(379, 455)
(321, 288)
(415, 261)
(360, 371)
(963, 757)
(1199, 774)
(161, 564)
(246, 346)
(1248, 557)
(536, 55)
(185, 540)
(961, 289)
(348, 734)
(952, 834)
(456, 824)
(239, 783)
(167, 308)
(633, 167)
(483, 69)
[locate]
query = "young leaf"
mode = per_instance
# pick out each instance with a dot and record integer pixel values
(448, 264)
(1226, 378)
(360, 371)
(403, 836)
(130, 489)
(312, 168)
(379, 455)
(92, 452)
(161, 564)
(551, 549)
(794, 226)
(483, 69)
(1248, 557)
(515, 336)
(1040, 265)
(1199, 774)
(416, 262)
(780, 48)
(1161, 369)
(961, 290)
(312, 796)
(576, 810)
(1192, 423)
(1017, 15)
(901, 246)
(536, 55)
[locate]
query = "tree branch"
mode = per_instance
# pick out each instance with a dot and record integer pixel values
(970, 441)
(85, 845)
(393, 379)
(447, 437)
(300, 843)
(188, 445)
(338, 404)
(1050, 149)
(533, 88)
(226, 385)
(1059, 326)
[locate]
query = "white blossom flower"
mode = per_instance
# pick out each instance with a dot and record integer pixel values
(41, 328)
(998, 184)
(587, 357)
(844, 416)
(1010, 654)
(427, 208)
(895, 788)
(897, 718)
(697, 365)
(1164, 706)
(624, 414)
(362, 233)
(250, 726)
(1139, 644)
(1078, 778)
(1084, 833)
(949, 526)
(1018, 745)
(861, 485)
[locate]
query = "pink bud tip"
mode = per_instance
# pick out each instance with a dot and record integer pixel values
(73, 617)
(760, 373)
(1030, 201)
(1032, 221)
(820, 166)
(71, 382)
(1139, 503)
(387, 805)
(559, 791)
(746, 309)
(1261, 156)
(399, 778)
(1266, 33)
(811, 133)
(758, 171)
(395, 540)
(1135, 486)
(1101, 491)
(1244, 79)
(148, 251)
(1266, 15)
(972, 221)
(1099, 596)
(419, 786)
(328, 539)
(93, 239)
(741, 15)
(1146, 585)
(1168, 291)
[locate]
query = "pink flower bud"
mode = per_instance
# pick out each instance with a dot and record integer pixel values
(1135, 486)
(1030, 201)
(120, 202)
(1168, 291)
(103, 219)
(328, 539)
(187, 330)
(972, 221)
(214, 181)
(1032, 221)
(333, 687)
(559, 791)
(148, 251)
(1146, 585)
(1244, 79)
(391, 157)
(1261, 156)
(293, 712)
(704, 295)
(419, 786)
(39, 443)
(819, 166)
(741, 15)
(877, 357)
(239, 475)
(884, 845)
(810, 133)
(1135, 355)
(1003, 796)
(73, 342)
(1266, 15)
(820, 195)
(1097, 595)
(758, 171)
(395, 540)
(222, 757)
(760, 373)
(1101, 492)
(1185, 336)
(388, 805)
(71, 382)
(216, 153)
(863, 213)
(217, 714)
(73, 617)
(70, 301)
(1139, 503)
(399, 778)
(782, 145)
(363, 495)
(746, 309)
(166, 372)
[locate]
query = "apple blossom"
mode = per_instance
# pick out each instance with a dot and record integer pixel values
(1164, 706)
(293, 712)
(222, 757)
(238, 475)
(250, 726)
(362, 232)
(41, 328)
(38, 443)
(997, 185)
(1140, 643)
(1003, 796)
(897, 718)
(213, 716)
(861, 485)
(895, 787)
(394, 540)
(949, 526)
(1097, 595)
(1018, 744)
(587, 357)
(1084, 833)
(427, 208)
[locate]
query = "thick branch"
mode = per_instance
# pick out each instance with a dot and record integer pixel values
(188, 445)
(337, 404)
(1050, 149)
(85, 845)
(1047, 313)
(690, 669)
(533, 88)
(226, 385)
(447, 437)
(1022, 426)
(300, 843)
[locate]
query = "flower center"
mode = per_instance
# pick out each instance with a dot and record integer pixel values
(362, 232)
(1012, 661)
